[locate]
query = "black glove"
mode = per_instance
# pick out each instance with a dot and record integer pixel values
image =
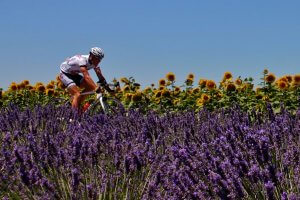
(104, 84)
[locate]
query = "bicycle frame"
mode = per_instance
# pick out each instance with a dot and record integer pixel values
(100, 98)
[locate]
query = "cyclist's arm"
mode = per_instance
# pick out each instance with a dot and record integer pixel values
(99, 74)
(102, 79)
(87, 76)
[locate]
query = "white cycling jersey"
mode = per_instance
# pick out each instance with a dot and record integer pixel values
(72, 64)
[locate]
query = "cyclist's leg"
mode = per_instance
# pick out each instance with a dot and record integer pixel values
(74, 91)
(86, 88)
(71, 83)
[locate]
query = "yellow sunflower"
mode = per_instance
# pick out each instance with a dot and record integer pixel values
(41, 88)
(166, 93)
(50, 86)
(29, 87)
(189, 81)
(170, 76)
(227, 76)
(230, 87)
(199, 102)
(158, 94)
(162, 82)
(196, 90)
(284, 78)
(128, 96)
(191, 76)
(210, 84)
(49, 92)
(205, 98)
(13, 86)
(289, 78)
(21, 86)
(124, 80)
(283, 85)
(270, 78)
(202, 83)
(177, 89)
(296, 79)
(238, 81)
(126, 88)
(25, 82)
(176, 101)
(147, 89)
(136, 97)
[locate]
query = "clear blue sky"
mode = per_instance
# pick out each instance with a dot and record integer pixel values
(147, 39)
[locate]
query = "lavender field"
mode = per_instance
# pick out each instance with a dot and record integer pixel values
(52, 153)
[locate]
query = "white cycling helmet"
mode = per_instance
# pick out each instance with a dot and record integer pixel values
(98, 52)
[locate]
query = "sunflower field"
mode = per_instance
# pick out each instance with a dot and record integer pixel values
(199, 140)
(167, 96)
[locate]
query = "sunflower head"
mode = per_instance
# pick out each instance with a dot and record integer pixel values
(29, 87)
(202, 83)
(196, 90)
(283, 85)
(266, 71)
(190, 76)
(126, 88)
(284, 78)
(21, 86)
(170, 76)
(25, 82)
(270, 78)
(128, 96)
(147, 89)
(124, 80)
(60, 85)
(177, 89)
(158, 94)
(189, 81)
(176, 102)
(289, 78)
(210, 85)
(38, 83)
(50, 86)
(205, 98)
(136, 97)
(41, 88)
(13, 86)
(227, 76)
(296, 79)
(230, 87)
(50, 92)
(238, 81)
(165, 93)
(162, 82)
(199, 102)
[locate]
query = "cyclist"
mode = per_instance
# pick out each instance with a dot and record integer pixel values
(71, 69)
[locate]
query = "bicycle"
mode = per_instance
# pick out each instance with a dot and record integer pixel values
(101, 104)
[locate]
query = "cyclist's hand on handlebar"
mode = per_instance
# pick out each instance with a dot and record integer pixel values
(98, 90)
